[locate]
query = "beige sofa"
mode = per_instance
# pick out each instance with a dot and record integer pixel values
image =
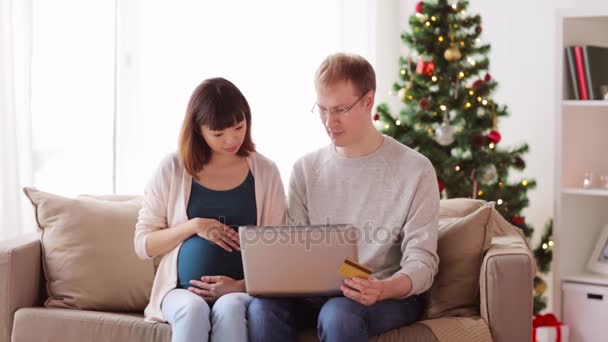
(504, 300)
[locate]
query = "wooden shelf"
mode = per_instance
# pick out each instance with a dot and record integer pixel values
(579, 103)
(587, 278)
(585, 192)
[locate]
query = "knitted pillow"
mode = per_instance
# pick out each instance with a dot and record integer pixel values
(464, 238)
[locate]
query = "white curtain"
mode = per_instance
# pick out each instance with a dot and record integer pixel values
(15, 132)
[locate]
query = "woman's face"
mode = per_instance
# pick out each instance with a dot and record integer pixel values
(227, 141)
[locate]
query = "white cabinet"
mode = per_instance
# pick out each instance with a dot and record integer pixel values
(585, 310)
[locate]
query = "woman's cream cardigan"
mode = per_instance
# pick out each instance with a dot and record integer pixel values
(164, 205)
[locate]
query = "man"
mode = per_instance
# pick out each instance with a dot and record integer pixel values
(386, 189)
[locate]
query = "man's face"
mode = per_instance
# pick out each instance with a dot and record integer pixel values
(344, 127)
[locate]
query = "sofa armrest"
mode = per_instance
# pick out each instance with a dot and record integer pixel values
(20, 264)
(506, 286)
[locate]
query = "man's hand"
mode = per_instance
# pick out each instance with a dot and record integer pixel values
(365, 291)
(369, 292)
(213, 287)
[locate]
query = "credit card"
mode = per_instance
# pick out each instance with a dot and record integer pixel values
(351, 268)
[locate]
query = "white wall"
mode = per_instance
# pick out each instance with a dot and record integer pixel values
(523, 38)
(522, 60)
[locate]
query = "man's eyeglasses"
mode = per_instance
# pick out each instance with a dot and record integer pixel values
(340, 111)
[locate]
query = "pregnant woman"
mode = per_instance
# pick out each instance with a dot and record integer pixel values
(191, 210)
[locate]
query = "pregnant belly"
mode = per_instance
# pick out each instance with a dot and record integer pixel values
(199, 257)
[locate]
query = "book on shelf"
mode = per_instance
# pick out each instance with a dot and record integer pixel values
(588, 70)
(596, 67)
(572, 71)
(579, 60)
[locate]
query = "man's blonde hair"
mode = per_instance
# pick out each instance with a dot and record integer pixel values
(342, 67)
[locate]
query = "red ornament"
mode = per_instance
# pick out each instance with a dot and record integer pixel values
(478, 29)
(494, 137)
(441, 184)
(488, 77)
(425, 68)
(476, 84)
(419, 7)
(376, 117)
(518, 220)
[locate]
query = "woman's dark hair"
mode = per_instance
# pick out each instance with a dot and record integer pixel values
(217, 104)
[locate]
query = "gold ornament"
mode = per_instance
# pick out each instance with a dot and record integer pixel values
(540, 287)
(452, 54)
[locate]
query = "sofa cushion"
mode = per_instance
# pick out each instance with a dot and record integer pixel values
(415, 332)
(458, 207)
(460, 329)
(88, 256)
(464, 237)
(60, 325)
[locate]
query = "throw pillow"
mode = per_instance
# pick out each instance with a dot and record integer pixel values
(462, 244)
(88, 255)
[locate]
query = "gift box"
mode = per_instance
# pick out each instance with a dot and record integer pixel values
(549, 334)
(425, 68)
(546, 328)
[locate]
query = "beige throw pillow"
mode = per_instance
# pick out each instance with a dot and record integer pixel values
(88, 256)
(463, 242)
(458, 207)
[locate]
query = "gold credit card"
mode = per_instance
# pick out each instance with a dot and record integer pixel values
(351, 268)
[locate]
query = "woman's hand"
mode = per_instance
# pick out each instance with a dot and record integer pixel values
(217, 232)
(213, 287)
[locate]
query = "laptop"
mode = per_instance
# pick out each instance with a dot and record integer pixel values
(288, 261)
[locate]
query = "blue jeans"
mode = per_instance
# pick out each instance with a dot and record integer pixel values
(193, 319)
(336, 318)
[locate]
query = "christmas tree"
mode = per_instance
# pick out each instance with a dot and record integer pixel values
(543, 255)
(449, 115)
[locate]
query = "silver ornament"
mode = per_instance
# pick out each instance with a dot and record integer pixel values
(445, 134)
(489, 174)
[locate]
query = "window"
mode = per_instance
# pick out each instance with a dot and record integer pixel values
(72, 99)
(110, 85)
(271, 57)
